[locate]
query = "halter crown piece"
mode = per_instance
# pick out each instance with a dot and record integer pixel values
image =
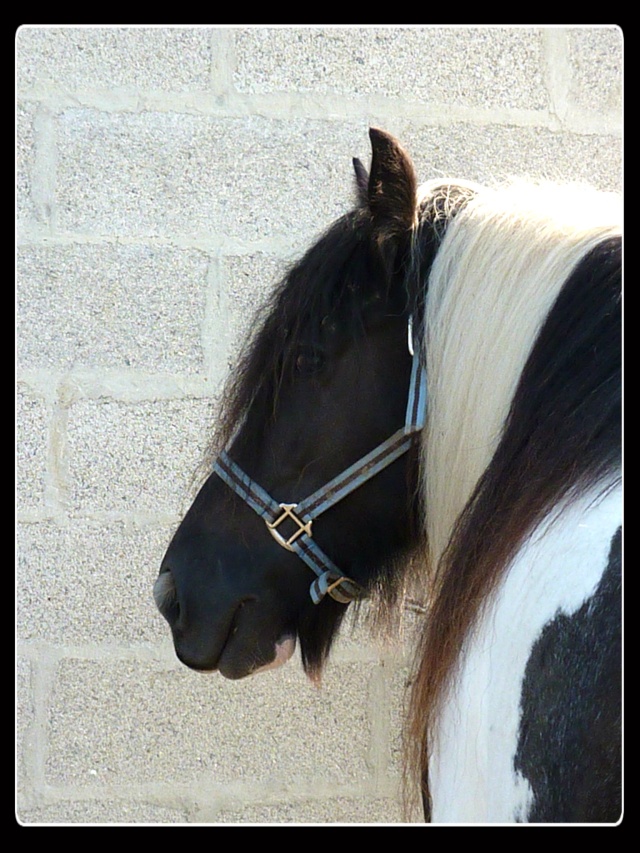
(330, 580)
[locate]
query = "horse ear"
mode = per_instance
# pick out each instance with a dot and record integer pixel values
(392, 186)
(362, 182)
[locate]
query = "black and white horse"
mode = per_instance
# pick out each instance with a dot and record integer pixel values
(438, 378)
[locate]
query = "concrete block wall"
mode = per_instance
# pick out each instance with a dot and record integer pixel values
(164, 178)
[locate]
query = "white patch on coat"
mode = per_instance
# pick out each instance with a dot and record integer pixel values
(472, 775)
(285, 647)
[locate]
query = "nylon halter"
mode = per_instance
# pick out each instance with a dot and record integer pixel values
(330, 580)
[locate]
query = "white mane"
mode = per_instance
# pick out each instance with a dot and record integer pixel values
(502, 263)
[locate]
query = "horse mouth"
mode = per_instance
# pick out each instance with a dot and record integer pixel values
(240, 647)
(242, 654)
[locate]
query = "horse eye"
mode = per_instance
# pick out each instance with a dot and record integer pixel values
(309, 361)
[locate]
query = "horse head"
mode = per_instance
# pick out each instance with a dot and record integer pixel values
(324, 382)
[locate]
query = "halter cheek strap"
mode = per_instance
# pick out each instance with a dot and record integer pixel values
(330, 580)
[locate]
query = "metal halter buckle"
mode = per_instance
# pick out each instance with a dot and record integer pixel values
(288, 513)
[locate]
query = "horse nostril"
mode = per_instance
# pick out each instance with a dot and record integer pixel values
(165, 596)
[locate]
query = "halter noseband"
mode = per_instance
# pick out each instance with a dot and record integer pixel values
(330, 580)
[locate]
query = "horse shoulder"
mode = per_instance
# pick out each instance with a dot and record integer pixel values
(530, 730)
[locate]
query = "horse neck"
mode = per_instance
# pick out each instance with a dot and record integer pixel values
(499, 269)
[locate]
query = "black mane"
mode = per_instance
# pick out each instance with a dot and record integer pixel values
(338, 276)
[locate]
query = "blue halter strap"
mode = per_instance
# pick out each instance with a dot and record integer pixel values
(330, 580)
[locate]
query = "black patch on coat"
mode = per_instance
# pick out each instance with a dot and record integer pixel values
(569, 746)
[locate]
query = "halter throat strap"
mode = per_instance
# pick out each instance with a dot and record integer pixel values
(330, 579)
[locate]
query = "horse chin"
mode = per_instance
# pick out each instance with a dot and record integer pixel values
(234, 666)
